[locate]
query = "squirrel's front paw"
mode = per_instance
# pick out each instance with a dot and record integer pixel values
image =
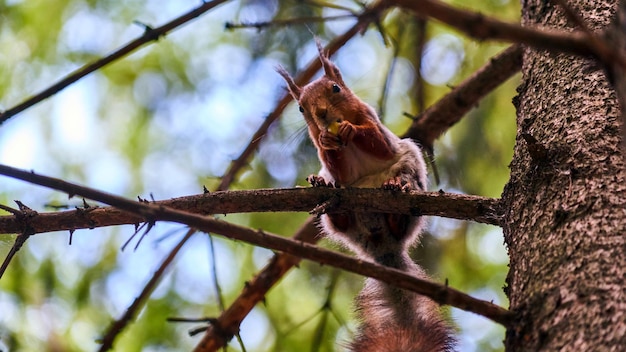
(319, 181)
(397, 184)
(330, 141)
(346, 132)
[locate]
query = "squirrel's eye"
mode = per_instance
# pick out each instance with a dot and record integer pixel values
(336, 88)
(301, 108)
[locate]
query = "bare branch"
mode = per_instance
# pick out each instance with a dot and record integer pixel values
(457, 206)
(130, 314)
(482, 27)
(286, 22)
(220, 331)
(150, 34)
(22, 217)
(439, 117)
(439, 293)
(420, 44)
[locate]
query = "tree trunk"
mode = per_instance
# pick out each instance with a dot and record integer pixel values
(566, 200)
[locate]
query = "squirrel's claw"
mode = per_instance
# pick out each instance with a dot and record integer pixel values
(319, 181)
(397, 184)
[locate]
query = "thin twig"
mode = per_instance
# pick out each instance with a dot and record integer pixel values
(8, 209)
(382, 100)
(17, 245)
(418, 55)
(419, 34)
(287, 22)
(326, 309)
(23, 216)
(131, 312)
(216, 283)
(218, 333)
(149, 35)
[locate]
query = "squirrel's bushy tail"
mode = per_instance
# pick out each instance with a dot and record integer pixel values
(396, 320)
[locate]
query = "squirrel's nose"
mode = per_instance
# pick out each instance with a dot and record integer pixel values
(321, 113)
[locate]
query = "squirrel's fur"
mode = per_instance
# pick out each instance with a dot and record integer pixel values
(362, 152)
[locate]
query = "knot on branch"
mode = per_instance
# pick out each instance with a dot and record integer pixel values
(24, 216)
(85, 211)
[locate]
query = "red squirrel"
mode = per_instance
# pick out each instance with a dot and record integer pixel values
(357, 150)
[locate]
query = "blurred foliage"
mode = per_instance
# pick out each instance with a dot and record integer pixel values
(168, 119)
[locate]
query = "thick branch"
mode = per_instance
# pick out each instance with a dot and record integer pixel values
(457, 206)
(150, 34)
(482, 27)
(449, 110)
(220, 331)
(439, 293)
(476, 25)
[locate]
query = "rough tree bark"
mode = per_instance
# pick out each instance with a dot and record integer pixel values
(566, 199)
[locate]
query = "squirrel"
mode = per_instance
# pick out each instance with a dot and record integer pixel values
(357, 150)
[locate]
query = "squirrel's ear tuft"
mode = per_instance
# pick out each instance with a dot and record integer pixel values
(292, 86)
(330, 69)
